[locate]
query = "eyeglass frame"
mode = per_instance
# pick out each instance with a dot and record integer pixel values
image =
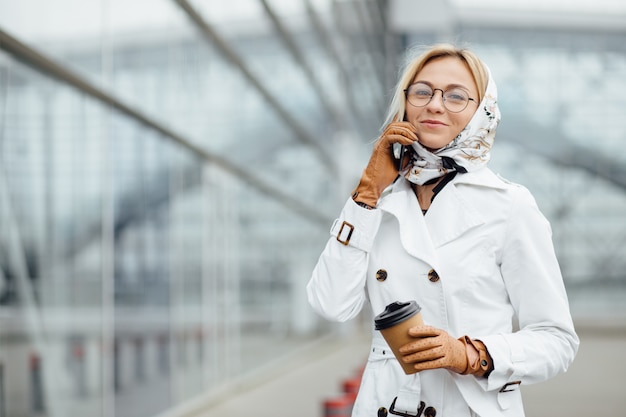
(443, 100)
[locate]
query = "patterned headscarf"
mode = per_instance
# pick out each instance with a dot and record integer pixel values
(469, 151)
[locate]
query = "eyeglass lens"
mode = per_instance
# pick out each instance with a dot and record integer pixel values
(454, 99)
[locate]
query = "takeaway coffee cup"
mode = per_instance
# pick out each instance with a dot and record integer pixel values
(394, 324)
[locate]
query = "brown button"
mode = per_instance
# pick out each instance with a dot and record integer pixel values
(433, 276)
(381, 275)
(430, 412)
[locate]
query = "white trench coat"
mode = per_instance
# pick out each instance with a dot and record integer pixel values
(480, 263)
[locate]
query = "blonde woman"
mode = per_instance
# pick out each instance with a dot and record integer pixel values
(473, 250)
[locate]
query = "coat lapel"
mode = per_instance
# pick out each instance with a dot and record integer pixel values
(452, 214)
(414, 234)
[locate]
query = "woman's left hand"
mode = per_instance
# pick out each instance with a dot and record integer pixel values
(434, 348)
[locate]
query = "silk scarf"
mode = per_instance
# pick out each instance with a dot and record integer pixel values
(469, 151)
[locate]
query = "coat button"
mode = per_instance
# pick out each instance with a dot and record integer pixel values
(382, 412)
(433, 276)
(430, 412)
(381, 275)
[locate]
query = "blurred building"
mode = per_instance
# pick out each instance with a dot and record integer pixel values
(169, 171)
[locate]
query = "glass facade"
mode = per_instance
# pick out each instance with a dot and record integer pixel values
(169, 171)
(164, 196)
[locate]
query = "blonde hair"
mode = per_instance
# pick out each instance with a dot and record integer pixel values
(397, 107)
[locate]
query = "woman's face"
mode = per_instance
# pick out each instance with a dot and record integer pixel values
(435, 125)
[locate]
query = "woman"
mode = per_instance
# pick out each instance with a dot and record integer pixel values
(471, 248)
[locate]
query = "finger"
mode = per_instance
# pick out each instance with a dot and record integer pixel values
(424, 331)
(420, 345)
(397, 138)
(426, 365)
(386, 142)
(424, 356)
(400, 130)
(404, 124)
(415, 347)
(407, 131)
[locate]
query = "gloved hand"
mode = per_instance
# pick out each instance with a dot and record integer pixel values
(382, 169)
(435, 348)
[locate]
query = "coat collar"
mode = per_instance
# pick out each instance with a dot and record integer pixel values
(483, 178)
(450, 216)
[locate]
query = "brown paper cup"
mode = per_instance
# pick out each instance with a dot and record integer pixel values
(394, 324)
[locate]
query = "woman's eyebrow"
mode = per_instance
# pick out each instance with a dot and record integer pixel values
(449, 86)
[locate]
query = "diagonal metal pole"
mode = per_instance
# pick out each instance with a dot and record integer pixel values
(229, 53)
(332, 110)
(329, 46)
(525, 133)
(45, 65)
(372, 21)
(33, 317)
(370, 44)
(362, 45)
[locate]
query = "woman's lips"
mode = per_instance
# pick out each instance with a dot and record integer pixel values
(432, 123)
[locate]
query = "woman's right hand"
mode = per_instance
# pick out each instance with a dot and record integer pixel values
(382, 169)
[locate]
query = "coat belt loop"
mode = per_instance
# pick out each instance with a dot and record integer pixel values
(408, 402)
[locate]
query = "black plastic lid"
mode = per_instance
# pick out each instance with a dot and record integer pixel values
(395, 313)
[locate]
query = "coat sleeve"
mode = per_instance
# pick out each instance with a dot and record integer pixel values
(546, 343)
(336, 289)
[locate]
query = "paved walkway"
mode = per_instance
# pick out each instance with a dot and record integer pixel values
(594, 385)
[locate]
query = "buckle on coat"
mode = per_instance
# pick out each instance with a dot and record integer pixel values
(345, 240)
(420, 409)
(514, 384)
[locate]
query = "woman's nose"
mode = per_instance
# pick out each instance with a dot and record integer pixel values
(436, 102)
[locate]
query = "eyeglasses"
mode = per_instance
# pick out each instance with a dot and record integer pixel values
(455, 99)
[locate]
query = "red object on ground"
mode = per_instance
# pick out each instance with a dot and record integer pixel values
(338, 407)
(351, 385)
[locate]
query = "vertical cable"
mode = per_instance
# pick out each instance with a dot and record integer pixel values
(3, 407)
(108, 229)
(212, 273)
(176, 283)
(208, 304)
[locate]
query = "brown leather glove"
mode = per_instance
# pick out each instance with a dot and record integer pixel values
(480, 362)
(382, 169)
(435, 348)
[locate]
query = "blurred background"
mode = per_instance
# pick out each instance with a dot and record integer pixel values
(169, 171)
